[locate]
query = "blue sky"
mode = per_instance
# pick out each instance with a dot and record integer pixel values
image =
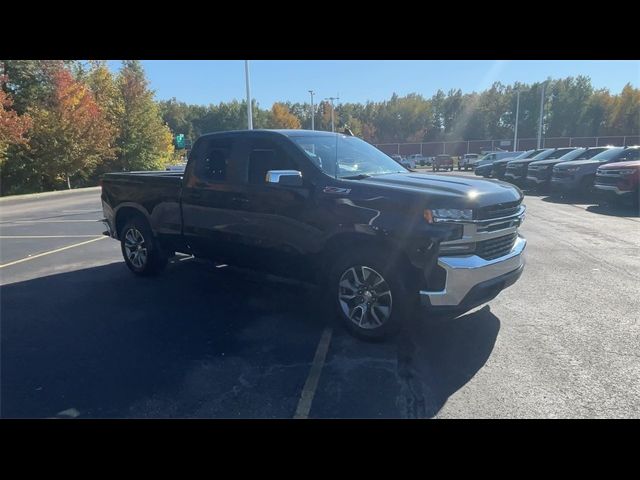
(214, 81)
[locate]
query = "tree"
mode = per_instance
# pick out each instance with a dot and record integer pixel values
(144, 141)
(281, 117)
(12, 126)
(70, 134)
(625, 114)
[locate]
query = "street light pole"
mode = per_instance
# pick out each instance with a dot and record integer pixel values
(515, 135)
(540, 119)
(333, 129)
(249, 109)
(313, 125)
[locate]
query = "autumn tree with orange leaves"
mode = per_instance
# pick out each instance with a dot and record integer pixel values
(281, 117)
(70, 133)
(12, 126)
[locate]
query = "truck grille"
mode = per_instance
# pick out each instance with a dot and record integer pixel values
(607, 180)
(496, 247)
(539, 173)
(498, 211)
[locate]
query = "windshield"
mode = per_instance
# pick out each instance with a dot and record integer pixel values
(574, 155)
(355, 157)
(559, 153)
(608, 154)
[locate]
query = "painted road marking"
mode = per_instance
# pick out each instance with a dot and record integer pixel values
(10, 222)
(47, 236)
(309, 389)
(26, 259)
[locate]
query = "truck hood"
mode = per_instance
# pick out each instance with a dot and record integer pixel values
(502, 161)
(552, 161)
(577, 163)
(451, 191)
(618, 165)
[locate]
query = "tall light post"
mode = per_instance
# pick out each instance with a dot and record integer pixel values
(331, 99)
(249, 109)
(515, 135)
(541, 112)
(313, 125)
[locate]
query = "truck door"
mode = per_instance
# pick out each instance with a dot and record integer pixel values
(210, 196)
(278, 231)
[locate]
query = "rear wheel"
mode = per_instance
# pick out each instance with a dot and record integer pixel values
(369, 294)
(141, 251)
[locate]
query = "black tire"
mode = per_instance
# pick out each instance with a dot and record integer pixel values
(460, 168)
(399, 301)
(155, 259)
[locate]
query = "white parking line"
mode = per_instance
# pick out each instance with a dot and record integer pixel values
(47, 236)
(310, 386)
(9, 222)
(26, 259)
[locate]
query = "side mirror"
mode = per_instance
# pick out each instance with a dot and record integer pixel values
(289, 178)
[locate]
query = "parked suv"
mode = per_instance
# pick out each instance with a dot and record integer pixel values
(500, 165)
(517, 169)
(619, 181)
(579, 175)
(484, 166)
(539, 172)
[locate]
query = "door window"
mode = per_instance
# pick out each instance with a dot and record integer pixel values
(265, 155)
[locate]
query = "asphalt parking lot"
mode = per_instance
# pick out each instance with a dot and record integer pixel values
(83, 338)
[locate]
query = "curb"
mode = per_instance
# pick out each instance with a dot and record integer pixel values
(36, 196)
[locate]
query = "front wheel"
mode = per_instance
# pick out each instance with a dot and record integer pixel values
(142, 253)
(369, 294)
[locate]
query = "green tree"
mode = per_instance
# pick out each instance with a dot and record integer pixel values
(144, 141)
(624, 118)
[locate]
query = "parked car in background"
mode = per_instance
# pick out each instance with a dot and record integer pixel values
(516, 172)
(467, 161)
(178, 167)
(579, 175)
(539, 172)
(484, 166)
(418, 159)
(619, 182)
(444, 162)
(500, 164)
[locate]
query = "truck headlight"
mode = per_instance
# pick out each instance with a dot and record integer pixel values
(627, 171)
(444, 214)
(573, 169)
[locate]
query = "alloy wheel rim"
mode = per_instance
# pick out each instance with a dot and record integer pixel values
(365, 297)
(135, 247)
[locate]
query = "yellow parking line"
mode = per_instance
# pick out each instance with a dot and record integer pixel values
(26, 259)
(309, 389)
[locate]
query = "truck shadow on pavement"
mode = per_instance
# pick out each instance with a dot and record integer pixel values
(201, 342)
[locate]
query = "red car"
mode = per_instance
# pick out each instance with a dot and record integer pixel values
(444, 162)
(619, 181)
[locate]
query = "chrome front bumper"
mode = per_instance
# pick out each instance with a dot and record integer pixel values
(465, 272)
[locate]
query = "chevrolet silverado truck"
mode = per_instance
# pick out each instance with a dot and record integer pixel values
(619, 181)
(328, 208)
(578, 176)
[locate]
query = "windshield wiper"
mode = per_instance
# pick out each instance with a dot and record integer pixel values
(356, 177)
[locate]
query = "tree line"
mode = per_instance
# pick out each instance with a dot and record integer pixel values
(65, 123)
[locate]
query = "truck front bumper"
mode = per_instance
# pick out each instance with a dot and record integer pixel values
(472, 280)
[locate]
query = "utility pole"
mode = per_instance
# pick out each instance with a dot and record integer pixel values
(331, 99)
(313, 125)
(541, 113)
(515, 135)
(249, 109)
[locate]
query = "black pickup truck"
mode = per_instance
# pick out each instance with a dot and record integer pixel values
(327, 208)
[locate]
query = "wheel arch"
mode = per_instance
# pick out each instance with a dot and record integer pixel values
(125, 212)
